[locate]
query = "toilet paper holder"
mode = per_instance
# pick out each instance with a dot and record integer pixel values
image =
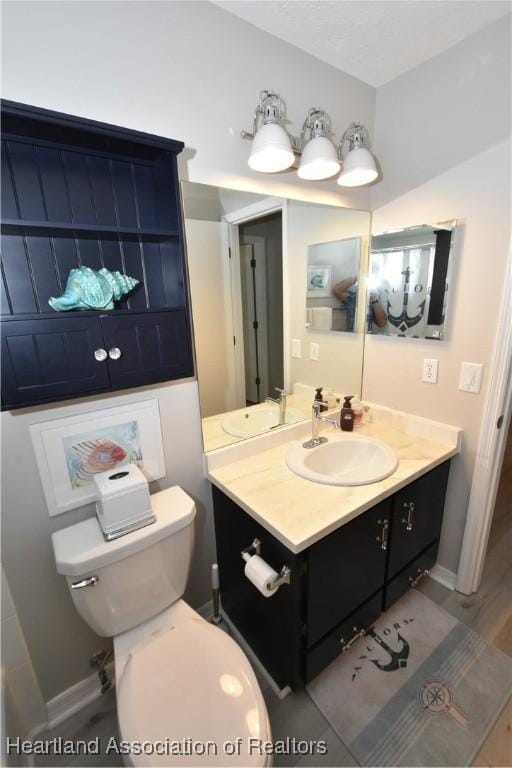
(283, 577)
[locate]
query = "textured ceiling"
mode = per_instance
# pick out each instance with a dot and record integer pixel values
(374, 40)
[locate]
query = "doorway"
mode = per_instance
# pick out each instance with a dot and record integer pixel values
(261, 286)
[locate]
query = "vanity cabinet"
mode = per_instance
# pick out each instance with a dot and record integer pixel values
(338, 586)
(77, 192)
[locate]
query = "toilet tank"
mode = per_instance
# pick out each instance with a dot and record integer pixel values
(116, 585)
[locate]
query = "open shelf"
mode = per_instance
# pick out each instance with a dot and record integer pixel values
(65, 229)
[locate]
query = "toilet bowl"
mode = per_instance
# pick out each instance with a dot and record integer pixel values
(186, 693)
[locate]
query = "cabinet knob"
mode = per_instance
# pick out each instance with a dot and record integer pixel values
(114, 353)
(100, 355)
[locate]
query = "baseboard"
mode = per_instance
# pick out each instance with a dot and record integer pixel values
(443, 576)
(73, 699)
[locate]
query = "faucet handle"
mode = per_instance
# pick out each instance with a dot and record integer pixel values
(316, 407)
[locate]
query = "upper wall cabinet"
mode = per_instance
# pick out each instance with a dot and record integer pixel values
(76, 192)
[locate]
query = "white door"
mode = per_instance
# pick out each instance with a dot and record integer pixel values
(212, 315)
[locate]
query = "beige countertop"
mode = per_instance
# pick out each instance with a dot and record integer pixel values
(300, 512)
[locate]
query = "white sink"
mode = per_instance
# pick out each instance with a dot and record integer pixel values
(253, 421)
(346, 459)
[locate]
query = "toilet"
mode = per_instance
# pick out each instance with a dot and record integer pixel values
(185, 690)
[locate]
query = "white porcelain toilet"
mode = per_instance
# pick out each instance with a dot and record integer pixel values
(182, 684)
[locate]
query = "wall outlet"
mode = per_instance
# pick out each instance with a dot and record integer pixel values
(430, 370)
(296, 348)
(314, 351)
(471, 377)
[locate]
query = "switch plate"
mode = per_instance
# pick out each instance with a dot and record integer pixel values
(471, 377)
(430, 366)
(296, 348)
(314, 351)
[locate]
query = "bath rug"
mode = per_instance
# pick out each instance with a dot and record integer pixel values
(420, 689)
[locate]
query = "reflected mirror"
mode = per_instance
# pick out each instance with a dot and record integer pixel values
(249, 262)
(332, 285)
(410, 280)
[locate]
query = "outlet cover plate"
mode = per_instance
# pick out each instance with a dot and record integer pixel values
(296, 348)
(314, 351)
(430, 368)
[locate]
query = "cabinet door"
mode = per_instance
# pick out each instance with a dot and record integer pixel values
(146, 348)
(417, 517)
(345, 569)
(410, 576)
(46, 360)
(270, 625)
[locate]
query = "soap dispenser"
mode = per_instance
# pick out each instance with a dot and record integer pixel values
(347, 415)
(319, 399)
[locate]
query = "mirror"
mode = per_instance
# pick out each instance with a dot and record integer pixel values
(410, 281)
(249, 259)
(332, 280)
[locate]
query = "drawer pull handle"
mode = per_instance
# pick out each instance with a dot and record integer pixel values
(100, 354)
(409, 520)
(419, 577)
(383, 538)
(347, 646)
(114, 353)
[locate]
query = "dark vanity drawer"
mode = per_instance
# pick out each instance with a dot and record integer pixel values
(331, 646)
(406, 578)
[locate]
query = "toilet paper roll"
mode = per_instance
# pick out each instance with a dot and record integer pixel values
(260, 574)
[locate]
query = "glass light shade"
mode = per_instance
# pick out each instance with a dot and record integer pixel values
(271, 150)
(358, 168)
(319, 160)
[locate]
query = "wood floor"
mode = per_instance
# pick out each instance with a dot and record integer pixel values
(488, 612)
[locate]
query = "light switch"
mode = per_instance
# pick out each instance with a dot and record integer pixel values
(314, 351)
(471, 377)
(296, 348)
(430, 370)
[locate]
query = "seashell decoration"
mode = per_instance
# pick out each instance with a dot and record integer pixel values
(98, 456)
(88, 288)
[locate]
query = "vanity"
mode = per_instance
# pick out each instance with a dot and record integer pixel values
(351, 551)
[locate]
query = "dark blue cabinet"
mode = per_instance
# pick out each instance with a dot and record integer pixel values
(77, 192)
(45, 360)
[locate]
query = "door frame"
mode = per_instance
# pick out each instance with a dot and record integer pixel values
(241, 216)
(490, 450)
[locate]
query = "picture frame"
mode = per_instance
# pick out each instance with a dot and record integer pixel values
(319, 280)
(70, 451)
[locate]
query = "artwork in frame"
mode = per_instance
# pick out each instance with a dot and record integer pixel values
(319, 280)
(70, 451)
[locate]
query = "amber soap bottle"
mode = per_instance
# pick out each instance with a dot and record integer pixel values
(347, 415)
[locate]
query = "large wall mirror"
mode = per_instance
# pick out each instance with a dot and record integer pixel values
(410, 281)
(278, 303)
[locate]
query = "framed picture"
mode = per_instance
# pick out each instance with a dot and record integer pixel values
(319, 280)
(71, 451)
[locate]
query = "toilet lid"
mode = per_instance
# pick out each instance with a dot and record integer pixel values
(185, 693)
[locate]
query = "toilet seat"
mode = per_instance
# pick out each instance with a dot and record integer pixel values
(185, 688)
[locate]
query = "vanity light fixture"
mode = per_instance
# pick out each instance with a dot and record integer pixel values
(319, 159)
(274, 149)
(359, 164)
(271, 149)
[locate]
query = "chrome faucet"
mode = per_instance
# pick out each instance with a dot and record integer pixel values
(316, 418)
(281, 402)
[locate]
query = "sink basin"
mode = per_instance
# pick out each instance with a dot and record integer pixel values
(253, 421)
(345, 459)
